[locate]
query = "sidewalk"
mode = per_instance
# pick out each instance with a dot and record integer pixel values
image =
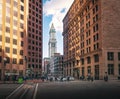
(8, 82)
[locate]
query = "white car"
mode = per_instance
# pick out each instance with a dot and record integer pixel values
(64, 79)
(71, 78)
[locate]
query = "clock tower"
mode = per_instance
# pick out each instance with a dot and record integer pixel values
(52, 41)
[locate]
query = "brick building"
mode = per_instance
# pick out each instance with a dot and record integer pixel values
(91, 35)
(34, 40)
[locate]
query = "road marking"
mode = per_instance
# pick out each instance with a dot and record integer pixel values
(26, 90)
(35, 93)
(14, 91)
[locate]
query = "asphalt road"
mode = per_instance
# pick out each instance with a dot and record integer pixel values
(79, 90)
(70, 90)
(6, 89)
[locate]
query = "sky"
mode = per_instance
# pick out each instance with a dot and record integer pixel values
(53, 12)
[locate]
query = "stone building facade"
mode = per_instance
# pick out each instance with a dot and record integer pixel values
(91, 35)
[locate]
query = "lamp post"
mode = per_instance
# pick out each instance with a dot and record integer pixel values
(3, 68)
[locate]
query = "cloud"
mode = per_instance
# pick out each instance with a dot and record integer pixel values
(58, 10)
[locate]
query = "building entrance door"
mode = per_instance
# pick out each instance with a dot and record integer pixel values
(96, 72)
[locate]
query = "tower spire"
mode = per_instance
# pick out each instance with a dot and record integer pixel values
(52, 29)
(52, 41)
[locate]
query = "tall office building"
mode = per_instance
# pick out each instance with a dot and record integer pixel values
(34, 49)
(52, 42)
(92, 39)
(20, 37)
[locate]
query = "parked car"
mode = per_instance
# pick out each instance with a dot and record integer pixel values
(71, 78)
(58, 79)
(64, 79)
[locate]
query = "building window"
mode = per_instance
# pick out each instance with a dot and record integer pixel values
(110, 69)
(82, 30)
(21, 25)
(40, 66)
(22, 16)
(29, 59)
(7, 49)
(15, 41)
(82, 22)
(0, 37)
(15, 22)
(0, 48)
(14, 32)
(95, 28)
(110, 56)
(22, 43)
(7, 11)
(7, 19)
(118, 55)
(22, 34)
(96, 58)
(7, 39)
(21, 52)
(88, 49)
(88, 24)
(88, 41)
(82, 71)
(81, 2)
(22, 8)
(88, 33)
(89, 69)
(95, 37)
(14, 61)
(33, 59)
(82, 37)
(15, 4)
(15, 13)
(8, 60)
(0, 27)
(8, 29)
(88, 16)
(29, 47)
(94, 1)
(119, 69)
(95, 18)
(95, 9)
(87, 8)
(29, 65)
(96, 46)
(82, 61)
(22, 1)
(88, 60)
(8, 1)
(0, 59)
(14, 51)
(21, 61)
(33, 30)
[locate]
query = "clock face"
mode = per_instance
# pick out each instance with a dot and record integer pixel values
(53, 45)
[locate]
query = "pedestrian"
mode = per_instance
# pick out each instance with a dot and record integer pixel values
(91, 77)
(106, 77)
